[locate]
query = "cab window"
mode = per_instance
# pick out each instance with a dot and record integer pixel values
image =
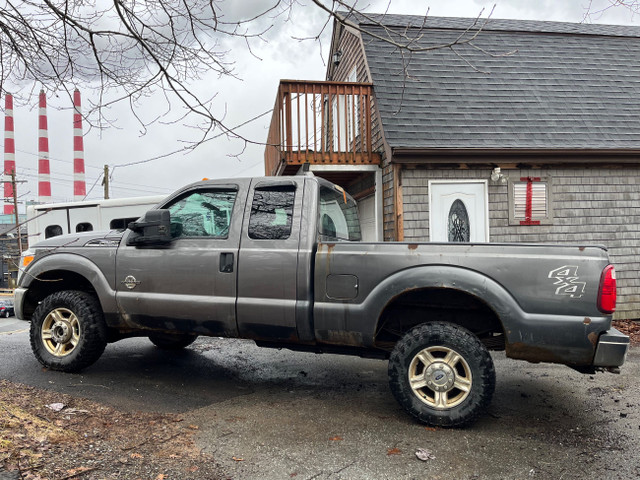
(272, 212)
(203, 213)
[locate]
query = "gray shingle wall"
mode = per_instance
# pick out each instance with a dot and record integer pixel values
(600, 206)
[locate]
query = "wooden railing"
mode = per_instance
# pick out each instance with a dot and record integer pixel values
(320, 123)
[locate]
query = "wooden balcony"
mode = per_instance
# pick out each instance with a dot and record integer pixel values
(320, 123)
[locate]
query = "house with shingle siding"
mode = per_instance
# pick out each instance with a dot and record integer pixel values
(521, 131)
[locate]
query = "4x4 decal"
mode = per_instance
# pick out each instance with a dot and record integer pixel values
(567, 280)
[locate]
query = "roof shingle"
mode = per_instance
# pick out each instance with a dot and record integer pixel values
(565, 85)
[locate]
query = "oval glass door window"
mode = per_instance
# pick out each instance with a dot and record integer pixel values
(458, 227)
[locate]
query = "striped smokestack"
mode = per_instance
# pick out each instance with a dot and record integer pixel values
(9, 154)
(79, 185)
(44, 174)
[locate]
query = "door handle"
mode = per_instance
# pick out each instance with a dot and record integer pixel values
(226, 262)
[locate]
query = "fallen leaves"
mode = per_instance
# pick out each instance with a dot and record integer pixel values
(629, 327)
(237, 459)
(394, 451)
(49, 435)
(76, 472)
(337, 438)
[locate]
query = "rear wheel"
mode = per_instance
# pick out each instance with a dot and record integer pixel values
(68, 332)
(172, 341)
(442, 374)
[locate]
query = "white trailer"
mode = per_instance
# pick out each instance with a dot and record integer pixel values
(53, 219)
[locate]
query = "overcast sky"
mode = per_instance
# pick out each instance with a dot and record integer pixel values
(237, 100)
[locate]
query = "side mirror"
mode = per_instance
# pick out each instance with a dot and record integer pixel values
(153, 228)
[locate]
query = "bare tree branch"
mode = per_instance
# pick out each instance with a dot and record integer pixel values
(592, 12)
(127, 50)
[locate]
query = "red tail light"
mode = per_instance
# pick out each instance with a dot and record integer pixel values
(607, 290)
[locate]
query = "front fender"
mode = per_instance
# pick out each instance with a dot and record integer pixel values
(68, 262)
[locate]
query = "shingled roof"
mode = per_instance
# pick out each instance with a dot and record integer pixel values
(521, 85)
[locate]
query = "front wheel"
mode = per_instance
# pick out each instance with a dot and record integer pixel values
(68, 332)
(442, 374)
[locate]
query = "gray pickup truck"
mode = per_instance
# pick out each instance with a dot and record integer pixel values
(279, 261)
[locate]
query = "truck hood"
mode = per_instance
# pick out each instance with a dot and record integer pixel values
(85, 239)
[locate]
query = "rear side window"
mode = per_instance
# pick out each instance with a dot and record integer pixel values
(338, 216)
(272, 212)
(52, 231)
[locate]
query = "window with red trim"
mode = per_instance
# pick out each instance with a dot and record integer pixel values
(529, 202)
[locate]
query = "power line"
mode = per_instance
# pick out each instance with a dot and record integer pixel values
(186, 149)
(117, 184)
(55, 159)
(92, 186)
(119, 188)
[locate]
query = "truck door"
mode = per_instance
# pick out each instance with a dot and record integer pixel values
(190, 284)
(268, 264)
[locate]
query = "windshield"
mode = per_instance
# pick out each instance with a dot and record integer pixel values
(338, 216)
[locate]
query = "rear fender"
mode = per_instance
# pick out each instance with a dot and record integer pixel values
(366, 316)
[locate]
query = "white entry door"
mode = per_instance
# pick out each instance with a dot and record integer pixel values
(458, 211)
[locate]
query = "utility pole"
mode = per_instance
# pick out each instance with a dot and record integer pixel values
(11, 262)
(15, 209)
(105, 182)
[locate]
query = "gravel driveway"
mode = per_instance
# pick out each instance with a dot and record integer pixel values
(264, 413)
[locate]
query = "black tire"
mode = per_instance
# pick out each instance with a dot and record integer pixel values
(172, 341)
(75, 334)
(452, 371)
(6, 314)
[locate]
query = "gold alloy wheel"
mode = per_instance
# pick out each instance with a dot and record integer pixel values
(60, 332)
(440, 377)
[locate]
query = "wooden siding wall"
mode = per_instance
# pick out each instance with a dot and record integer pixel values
(388, 199)
(596, 206)
(353, 56)
(351, 46)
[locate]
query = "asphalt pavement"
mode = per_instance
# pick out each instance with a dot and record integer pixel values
(266, 413)
(12, 325)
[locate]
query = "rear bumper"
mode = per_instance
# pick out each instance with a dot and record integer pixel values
(612, 349)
